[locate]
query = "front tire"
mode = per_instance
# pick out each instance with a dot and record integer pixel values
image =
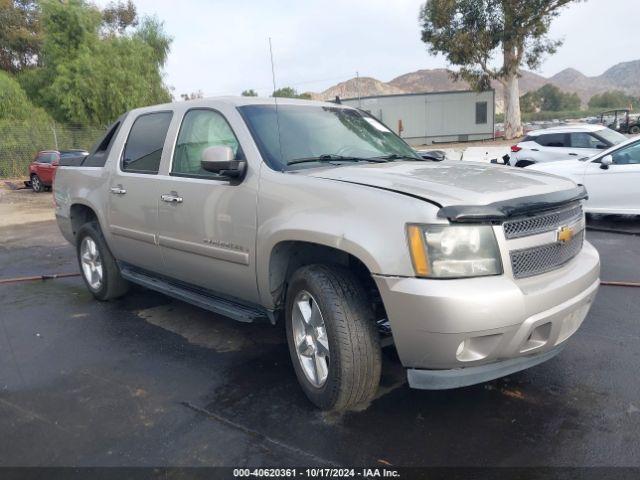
(98, 268)
(36, 184)
(635, 129)
(332, 338)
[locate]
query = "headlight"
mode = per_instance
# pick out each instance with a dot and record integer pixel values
(453, 251)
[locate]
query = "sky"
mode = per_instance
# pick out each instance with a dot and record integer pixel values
(221, 47)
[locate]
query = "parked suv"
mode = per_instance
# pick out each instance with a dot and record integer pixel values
(563, 143)
(42, 168)
(318, 216)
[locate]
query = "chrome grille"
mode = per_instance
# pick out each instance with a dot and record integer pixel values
(525, 227)
(544, 258)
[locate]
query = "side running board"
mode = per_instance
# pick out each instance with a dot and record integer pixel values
(197, 296)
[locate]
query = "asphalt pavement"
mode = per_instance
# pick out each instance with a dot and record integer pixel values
(150, 381)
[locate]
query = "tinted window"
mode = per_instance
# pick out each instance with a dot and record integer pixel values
(552, 140)
(585, 140)
(627, 155)
(143, 150)
(481, 112)
(200, 130)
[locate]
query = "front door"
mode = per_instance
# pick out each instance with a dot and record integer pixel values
(134, 192)
(207, 230)
(615, 189)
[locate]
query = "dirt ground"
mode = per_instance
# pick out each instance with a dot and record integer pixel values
(23, 206)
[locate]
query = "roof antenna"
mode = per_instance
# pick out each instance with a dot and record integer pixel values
(275, 101)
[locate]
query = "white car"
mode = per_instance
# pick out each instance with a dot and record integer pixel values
(612, 178)
(563, 143)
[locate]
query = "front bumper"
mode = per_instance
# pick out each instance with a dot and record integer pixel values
(448, 325)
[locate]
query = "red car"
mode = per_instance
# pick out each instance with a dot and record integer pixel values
(44, 165)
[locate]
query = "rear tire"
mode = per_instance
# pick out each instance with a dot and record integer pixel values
(635, 129)
(36, 184)
(98, 268)
(348, 337)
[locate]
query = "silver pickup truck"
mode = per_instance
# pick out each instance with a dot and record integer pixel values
(318, 215)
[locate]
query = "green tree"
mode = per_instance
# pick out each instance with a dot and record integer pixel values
(471, 33)
(549, 98)
(613, 99)
(249, 93)
(14, 103)
(20, 34)
(289, 92)
(88, 77)
(118, 16)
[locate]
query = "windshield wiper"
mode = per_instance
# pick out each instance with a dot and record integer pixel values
(328, 158)
(395, 156)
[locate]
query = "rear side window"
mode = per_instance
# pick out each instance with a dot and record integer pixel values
(200, 130)
(552, 140)
(143, 150)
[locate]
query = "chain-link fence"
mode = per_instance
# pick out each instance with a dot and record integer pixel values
(21, 140)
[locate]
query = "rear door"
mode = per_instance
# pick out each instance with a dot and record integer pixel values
(207, 231)
(615, 189)
(134, 191)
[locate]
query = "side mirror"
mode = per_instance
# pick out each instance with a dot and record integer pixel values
(606, 161)
(222, 161)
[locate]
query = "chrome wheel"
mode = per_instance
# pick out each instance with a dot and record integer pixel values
(91, 263)
(310, 338)
(35, 183)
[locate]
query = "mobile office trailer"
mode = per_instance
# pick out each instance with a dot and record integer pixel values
(434, 117)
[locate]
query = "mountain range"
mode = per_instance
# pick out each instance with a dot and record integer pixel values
(623, 76)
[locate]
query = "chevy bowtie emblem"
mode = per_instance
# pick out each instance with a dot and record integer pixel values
(564, 234)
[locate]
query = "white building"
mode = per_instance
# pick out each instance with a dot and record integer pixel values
(425, 118)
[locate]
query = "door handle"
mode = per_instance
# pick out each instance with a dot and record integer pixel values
(118, 190)
(535, 150)
(171, 198)
(573, 154)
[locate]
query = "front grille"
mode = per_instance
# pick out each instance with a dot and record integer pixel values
(542, 223)
(544, 258)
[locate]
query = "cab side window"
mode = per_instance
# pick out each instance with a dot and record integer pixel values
(200, 129)
(143, 150)
(627, 156)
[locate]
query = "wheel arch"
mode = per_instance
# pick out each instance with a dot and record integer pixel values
(287, 256)
(80, 214)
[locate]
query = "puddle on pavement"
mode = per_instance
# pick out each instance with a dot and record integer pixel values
(208, 330)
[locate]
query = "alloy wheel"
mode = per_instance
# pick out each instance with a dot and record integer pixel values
(91, 263)
(310, 338)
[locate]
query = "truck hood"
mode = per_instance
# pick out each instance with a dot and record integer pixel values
(449, 183)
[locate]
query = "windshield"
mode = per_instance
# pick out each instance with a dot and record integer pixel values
(312, 135)
(611, 136)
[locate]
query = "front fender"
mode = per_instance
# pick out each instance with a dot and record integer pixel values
(365, 222)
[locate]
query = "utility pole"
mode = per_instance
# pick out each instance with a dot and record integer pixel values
(55, 135)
